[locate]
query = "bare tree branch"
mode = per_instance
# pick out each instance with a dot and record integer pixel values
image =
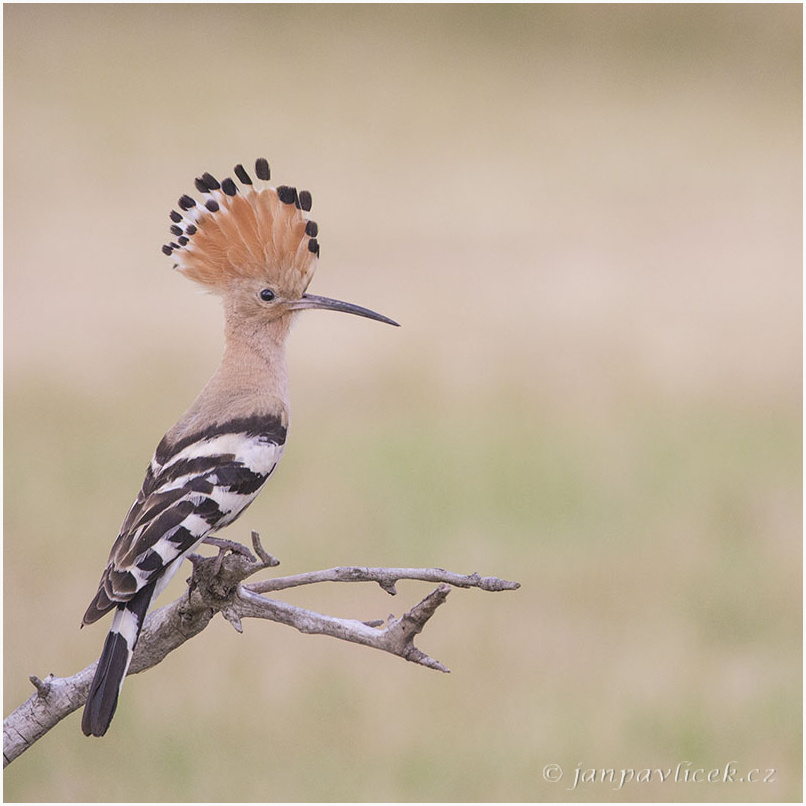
(385, 577)
(397, 637)
(216, 587)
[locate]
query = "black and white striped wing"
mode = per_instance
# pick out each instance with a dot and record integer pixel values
(200, 484)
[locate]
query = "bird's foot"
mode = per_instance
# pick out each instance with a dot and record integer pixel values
(223, 547)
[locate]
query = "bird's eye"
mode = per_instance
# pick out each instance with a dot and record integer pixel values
(267, 295)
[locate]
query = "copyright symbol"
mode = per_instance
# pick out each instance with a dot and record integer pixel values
(552, 773)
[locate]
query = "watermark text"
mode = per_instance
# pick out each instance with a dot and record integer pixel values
(685, 772)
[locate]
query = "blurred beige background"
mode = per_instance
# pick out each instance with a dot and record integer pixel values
(588, 221)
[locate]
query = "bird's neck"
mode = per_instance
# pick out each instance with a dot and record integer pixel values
(252, 379)
(254, 357)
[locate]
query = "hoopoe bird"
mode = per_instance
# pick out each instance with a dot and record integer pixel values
(255, 246)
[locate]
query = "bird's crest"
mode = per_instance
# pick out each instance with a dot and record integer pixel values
(245, 229)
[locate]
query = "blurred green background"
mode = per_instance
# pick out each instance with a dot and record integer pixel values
(588, 221)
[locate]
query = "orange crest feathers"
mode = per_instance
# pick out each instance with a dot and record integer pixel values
(244, 231)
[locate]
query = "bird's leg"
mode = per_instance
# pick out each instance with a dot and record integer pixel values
(195, 560)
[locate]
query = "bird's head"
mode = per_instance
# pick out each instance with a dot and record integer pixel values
(252, 244)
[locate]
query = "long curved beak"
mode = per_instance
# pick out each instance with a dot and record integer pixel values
(327, 304)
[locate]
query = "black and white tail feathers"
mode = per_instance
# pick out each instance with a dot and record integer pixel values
(114, 662)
